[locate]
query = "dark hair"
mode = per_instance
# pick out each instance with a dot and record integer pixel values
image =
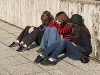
(63, 17)
(46, 17)
(78, 28)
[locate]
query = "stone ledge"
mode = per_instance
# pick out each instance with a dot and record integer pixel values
(93, 2)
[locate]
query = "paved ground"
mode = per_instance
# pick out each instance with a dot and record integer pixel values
(16, 63)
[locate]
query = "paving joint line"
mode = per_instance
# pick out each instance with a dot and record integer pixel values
(3, 43)
(74, 65)
(33, 62)
(8, 31)
(7, 71)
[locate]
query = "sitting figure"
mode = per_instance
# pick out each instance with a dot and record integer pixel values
(31, 33)
(79, 48)
(55, 31)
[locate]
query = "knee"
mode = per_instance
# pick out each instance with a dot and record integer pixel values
(36, 30)
(53, 29)
(63, 40)
(47, 28)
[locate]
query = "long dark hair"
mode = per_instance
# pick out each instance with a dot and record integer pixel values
(76, 29)
(46, 17)
(63, 17)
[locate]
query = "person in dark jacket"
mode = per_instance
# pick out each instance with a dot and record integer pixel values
(78, 49)
(31, 33)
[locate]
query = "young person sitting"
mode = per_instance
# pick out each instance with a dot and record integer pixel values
(55, 31)
(31, 33)
(78, 49)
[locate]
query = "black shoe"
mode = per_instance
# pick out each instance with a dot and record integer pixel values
(14, 45)
(40, 50)
(48, 62)
(39, 59)
(21, 49)
(85, 59)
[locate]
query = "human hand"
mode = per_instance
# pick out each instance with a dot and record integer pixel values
(59, 21)
(61, 36)
(31, 29)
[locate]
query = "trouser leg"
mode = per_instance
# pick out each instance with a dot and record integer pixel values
(23, 33)
(45, 37)
(60, 47)
(71, 51)
(53, 36)
(50, 49)
(30, 38)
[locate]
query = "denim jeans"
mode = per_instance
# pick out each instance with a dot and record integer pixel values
(50, 36)
(71, 51)
(50, 49)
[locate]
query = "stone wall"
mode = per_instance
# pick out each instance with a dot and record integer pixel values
(27, 12)
(90, 10)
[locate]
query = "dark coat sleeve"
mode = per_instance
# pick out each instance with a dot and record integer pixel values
(86, 46)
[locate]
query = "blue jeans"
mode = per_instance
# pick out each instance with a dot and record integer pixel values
(50, 49)
(50, 36)
(71, 51)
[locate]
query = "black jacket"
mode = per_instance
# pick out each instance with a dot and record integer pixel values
(84, 43)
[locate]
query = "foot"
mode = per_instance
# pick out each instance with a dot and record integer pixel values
(85, 59)
(14, 45)
(39, 59)
(40, 50)
(21, 49)
(48, 62)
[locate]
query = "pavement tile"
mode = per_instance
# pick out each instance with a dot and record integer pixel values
(3, 31)
(13, 60)
(39, 73)
(6, 52)
(10, 28)
(4, 72)
(91, 67)
(8, 41)
(24, 69)
(22, 63)
(29, 56)
(48, 68)
(65, 68)
(6, 38)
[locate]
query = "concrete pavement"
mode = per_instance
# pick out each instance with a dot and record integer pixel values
(21, 63)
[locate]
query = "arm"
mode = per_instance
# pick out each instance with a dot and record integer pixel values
(86, 43)
(40, 27)
(31, 29)
(53, 24)
(65, 30)
(61, 36)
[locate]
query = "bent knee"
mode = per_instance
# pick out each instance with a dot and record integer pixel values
(53, 28)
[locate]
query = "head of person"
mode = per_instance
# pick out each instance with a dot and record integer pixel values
(77, 23)
(61, 18)
(46, 17)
